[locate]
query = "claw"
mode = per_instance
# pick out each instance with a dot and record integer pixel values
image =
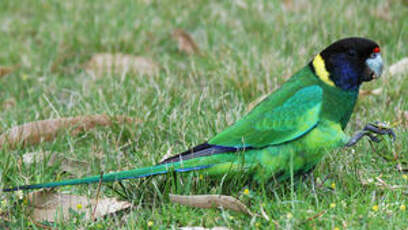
(377, 128)
(381, 128)
(373, 138)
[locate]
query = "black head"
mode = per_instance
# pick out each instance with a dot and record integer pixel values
(351, 61)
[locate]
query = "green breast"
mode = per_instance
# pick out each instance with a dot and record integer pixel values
(338, 104)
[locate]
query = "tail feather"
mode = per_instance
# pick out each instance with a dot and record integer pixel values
(116, 176)
(201, 157)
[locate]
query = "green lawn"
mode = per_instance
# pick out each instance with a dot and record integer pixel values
(248, 49)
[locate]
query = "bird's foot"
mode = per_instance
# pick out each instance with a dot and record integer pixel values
(369, 130)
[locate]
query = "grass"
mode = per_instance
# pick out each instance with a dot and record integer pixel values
(248, 49)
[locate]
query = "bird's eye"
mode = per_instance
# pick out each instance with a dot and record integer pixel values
(373, 55)
(352, 53)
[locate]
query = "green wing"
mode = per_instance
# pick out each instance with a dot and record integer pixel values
(275, 123)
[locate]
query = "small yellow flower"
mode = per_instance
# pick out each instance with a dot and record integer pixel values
(150, 223)
(403, 207)
(333, 186)
(231, 217)
(289, 215)
(79, 206)
(201, 176)
(375, 208)
(332, 205)
(336, 228)
(405, 177)
(246, 191)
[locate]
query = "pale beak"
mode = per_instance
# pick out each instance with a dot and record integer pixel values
(375, 63)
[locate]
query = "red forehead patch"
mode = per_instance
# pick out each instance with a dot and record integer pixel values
(376, 50)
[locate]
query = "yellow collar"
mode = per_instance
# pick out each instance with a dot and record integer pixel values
(321, 71)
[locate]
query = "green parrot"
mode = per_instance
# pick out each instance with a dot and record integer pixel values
(287, 133)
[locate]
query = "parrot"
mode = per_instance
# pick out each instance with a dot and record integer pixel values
(288, 132)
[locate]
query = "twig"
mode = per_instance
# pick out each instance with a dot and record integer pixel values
(264, 215)
(384, 184)
(97, 196)
(39, 224)
(313, 217)
(316, 216)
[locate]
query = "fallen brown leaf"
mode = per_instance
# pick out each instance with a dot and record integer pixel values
(377, 91)
(52, 206)
(211, 201)
(4, 70)
(186, 43)
(68, 165)
(47, 130)
(399, 67)
(106, 63)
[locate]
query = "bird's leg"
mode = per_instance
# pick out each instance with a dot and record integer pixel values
(376, 128)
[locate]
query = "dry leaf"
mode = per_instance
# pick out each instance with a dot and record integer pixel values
(106, 63)
(4, 70)
(399, 67)
(51, 206)
(46, 130)
(202, 228)
(377, 91)
(211, 201)
(185, 42)
(71, 166)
